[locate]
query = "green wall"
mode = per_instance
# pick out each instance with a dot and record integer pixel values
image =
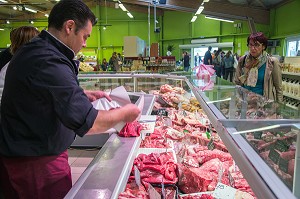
(176, 29)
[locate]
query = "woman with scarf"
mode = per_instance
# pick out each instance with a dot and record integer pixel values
(258, 71)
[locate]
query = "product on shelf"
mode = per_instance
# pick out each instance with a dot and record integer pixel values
(85, 67)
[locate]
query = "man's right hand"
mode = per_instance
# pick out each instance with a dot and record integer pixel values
(130, 112)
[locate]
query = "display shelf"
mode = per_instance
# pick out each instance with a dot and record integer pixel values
(291, 96)
(263, 180)
(290, 73)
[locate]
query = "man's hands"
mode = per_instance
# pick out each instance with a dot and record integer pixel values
(94, 95)
(130, 112)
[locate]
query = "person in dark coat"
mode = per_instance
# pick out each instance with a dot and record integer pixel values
(208, 57)
(186, 61)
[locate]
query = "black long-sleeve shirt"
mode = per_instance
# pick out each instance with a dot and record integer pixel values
(43, 106)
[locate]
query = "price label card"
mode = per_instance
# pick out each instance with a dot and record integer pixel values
(211, 145)
(223, 191)
(137, 176)
(283, 164)
(281, 145)
(274, 156)
(231, 180)
(162, 112)
(257, 135)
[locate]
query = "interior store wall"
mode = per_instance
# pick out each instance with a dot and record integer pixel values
(176, 29)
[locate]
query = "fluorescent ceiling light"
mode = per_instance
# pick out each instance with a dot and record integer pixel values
(194, 18)
(30, 10)
(200, 9)
(219, 19)
(122, 7)
(3, 1)
(1, 28)
(129, 15)
(205, 1)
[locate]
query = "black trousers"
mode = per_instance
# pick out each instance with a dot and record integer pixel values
(229, 72)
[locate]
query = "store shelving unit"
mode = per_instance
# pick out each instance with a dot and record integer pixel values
(216, 102)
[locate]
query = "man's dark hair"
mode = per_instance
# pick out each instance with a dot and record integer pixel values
(75, 10)
(209, 48)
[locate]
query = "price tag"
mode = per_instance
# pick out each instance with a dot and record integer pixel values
(153, 194)
(211, 145)
(283, 164)
(137, 176)
(281, 145)
(223, 191)
(231, 180)
(162, 112)
(274, 156)
(257, 135)
(208, 135)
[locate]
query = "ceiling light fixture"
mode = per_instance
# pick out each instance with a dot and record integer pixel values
(122, 7)
(194, 18)
(3, 1)
(205, 1)
(219, 19)
(200, 9)
(129, 15)
(1, 29)
(30, 10)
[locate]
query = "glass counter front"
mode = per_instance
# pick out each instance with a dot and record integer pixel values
(231, 109)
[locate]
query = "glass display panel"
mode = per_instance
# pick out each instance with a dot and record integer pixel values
(278, 148)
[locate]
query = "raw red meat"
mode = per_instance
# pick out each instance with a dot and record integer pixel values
(133, 191)
(132, 129)
(202, 196)
(157, 168)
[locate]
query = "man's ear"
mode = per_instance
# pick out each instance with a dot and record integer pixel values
(69, 26)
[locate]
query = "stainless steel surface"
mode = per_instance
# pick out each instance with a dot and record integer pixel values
(107, 174)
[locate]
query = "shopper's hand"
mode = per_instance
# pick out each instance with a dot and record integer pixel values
(94, 95)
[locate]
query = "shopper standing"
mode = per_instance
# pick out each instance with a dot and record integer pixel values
(19, 37)
(208, 57)
(228, 66)
(6, 55)
(186, 61)
(43, 106)
(197, 59)
(217, 61)
(258, 71)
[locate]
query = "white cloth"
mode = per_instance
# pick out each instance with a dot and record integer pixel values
(2, 79)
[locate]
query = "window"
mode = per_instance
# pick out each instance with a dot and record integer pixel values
(293, 47)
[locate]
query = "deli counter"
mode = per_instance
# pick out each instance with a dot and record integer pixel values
(252, 128)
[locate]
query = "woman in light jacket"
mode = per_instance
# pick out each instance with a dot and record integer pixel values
(258, 71)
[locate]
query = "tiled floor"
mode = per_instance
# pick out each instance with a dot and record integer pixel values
(79, 159)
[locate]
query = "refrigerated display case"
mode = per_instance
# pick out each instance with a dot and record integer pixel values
(230, 109)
